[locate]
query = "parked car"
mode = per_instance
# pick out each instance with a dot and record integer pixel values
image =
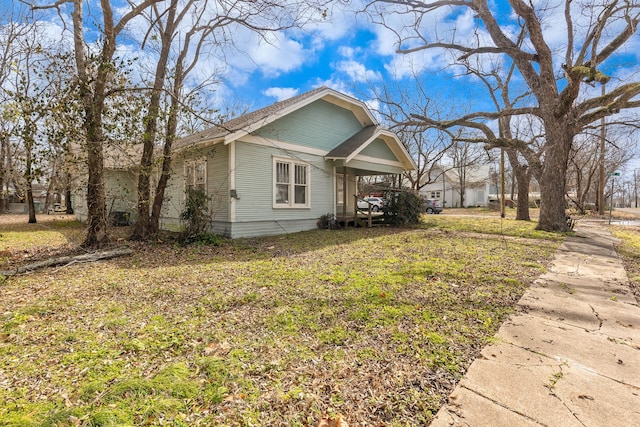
(432, 206)
(56, 208)
(376, 202)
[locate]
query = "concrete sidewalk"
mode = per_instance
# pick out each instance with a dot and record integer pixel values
(572, 358)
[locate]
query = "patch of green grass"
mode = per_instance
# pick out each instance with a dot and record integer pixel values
(489, 225)
(629, 251)
(630, 241)
(553, 380)
(47, 233)
(566, 288)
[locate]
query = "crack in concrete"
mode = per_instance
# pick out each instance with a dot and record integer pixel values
(566, 363)
(595, 313)
(555, 379)
(567, 407)
(497, 403)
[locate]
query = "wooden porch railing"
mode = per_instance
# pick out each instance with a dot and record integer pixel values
(356, 218)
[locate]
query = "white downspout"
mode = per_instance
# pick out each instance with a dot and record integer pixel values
(335, 191)
(232, 181)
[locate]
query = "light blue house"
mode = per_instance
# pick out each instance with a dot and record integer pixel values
(279, 169)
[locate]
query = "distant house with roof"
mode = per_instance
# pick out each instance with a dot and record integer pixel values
(275, 170)
(474, 189)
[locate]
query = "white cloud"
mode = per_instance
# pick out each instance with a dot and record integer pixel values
(277, 54)
(338, 23)
(374, 106)
(357, 71)
(281, 93)
(55, 32)
(346, 51)
(411, 65)
(336, 84)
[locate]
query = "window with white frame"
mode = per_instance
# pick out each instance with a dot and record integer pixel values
(195, 175)
(290, 183)
(435, 195)
(339, 189)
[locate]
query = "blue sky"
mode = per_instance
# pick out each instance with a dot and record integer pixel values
(347, 52)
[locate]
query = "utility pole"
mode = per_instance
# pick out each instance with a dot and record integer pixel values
(635, 186)
(612, 175)
(502, 213)
(603, 135)
(444, 186)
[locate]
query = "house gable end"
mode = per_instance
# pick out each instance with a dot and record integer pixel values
(320, 125)
(380, 150)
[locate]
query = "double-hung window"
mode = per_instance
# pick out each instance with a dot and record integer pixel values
(339, 189)
(195, 175)
(290, 183)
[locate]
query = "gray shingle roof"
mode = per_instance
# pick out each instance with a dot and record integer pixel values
(352, 144)
(244, 121)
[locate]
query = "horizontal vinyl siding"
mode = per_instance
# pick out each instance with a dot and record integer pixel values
(254, 184)
(380, 150)
(217, 186)
(271, 228)
(218, 182)
(122, 193)
(320, 125)
(173, 197)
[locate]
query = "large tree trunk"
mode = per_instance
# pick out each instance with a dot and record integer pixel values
(3, 149)
(523, 178)
(31, 204)
(28, 176)
(552, 184)
(172, 126)
(67, 196)
(143, 228)
(154, 223)
(96, 195)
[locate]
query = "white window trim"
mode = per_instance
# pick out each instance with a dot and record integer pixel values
(340, 194)
(194, 163)
(292, 163)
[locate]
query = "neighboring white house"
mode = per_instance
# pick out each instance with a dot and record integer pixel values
(275, 170)
(447, 188)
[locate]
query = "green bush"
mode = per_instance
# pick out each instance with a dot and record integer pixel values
(196, 218)
(403, 207)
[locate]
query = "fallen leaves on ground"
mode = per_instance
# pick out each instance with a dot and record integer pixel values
(375, 324)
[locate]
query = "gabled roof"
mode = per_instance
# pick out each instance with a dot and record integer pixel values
(247, 123)
(352, 145)
(350, 148)
(474, 175)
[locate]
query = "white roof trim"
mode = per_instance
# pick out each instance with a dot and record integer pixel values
(286, 146)
(395, 146)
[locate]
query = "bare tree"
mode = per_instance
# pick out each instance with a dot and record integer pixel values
(584, 165)
(12, 32)
(467, 157)
(564, 103)
(499, 89)
(427, 148)
(426, 144)
(33, 91)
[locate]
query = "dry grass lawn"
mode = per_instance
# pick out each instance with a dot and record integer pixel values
(375, 324)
